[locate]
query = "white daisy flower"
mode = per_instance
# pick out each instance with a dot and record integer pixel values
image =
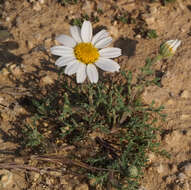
(82, 52)
(169, 47)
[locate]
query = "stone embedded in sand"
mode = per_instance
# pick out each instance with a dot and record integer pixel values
(37, 6)
(162, 168)
(185, 94)
(47, 80)
(170, 102)
(6, 178)
(185, 116)
(181, 177)
(187, 169)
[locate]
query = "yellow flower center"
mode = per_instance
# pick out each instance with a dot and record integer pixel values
(86, 53)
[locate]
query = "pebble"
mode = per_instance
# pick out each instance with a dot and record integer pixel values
(138, 36)
(34, 176)
(187, 169)
(29, 44)
(149, 19)
(151, 157)
(41, 1)
(185, 116)
(6, 178)
(162, 168)
(46, 80)
(185, 94)
(18, 21)
(114, 31)
(169, 179)
(37, 6)
(170, 102)
(181, 177)
(153, 10)
(174, 137)
(55, 173)
(47, 42)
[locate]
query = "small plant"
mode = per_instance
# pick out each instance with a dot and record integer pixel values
(127, 125)
(99, 11)
(151, 34)
(107, 119)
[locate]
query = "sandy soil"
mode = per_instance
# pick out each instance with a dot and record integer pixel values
(27, 66)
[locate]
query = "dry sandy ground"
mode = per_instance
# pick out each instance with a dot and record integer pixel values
(25, 67)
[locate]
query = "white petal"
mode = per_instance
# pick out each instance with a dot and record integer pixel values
(103, 43)
(173, 43)
(62, 51)
(76, 33)
(63, 61)
(170, 42)
(81, 73)
(107, 64)
(178, 42)
(92, 73)
(66, 40)
(110, 52)
(72, 68)
(99, 36)
(86, 31)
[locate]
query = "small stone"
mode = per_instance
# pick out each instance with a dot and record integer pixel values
(138, 36)
(49, 181)
(37, 6)
(169, 179)
(34, 176)
(149, 19)
(162, 168)
(5, 72)
(55, 173)
(181, 177)
(19, 161)
(185, 94)
(46, 80)
(185, 116)
(6, 178)
(187, 169)
(153, 10)
(173, 137)
(15, 69)
(29, 44)
(47, 42)
(113, 31)
(82, 187)
(151, 157)
(18, 21)
(41, 1)
(7, 19)
(63, 180)
(170, 102)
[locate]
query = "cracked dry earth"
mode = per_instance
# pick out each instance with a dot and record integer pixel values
(26, 67)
